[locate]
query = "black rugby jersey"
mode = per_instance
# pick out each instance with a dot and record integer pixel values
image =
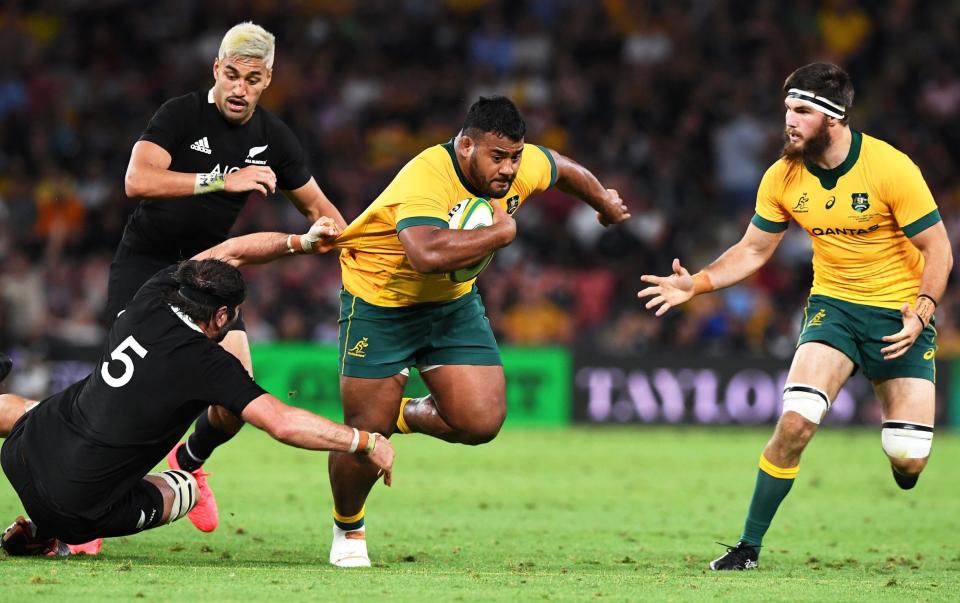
(200, 140)
(89, 444)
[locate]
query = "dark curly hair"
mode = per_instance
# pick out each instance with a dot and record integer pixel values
(204, 286)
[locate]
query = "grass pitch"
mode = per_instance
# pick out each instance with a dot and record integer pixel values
(575, 514)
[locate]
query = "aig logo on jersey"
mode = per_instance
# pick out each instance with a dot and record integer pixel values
(253, 152)
(860, 203)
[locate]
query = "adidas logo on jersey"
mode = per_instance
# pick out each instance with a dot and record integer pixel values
(202, 145)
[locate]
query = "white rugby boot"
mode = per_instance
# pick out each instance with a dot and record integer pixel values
(349, 549)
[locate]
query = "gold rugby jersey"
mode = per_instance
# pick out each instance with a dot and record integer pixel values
(372, 259)
(859, 215)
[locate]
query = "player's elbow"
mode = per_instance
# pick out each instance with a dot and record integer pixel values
(133, 184)
(424, 261)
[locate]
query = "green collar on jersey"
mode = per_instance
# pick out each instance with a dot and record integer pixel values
(456, 166)
(828, 178)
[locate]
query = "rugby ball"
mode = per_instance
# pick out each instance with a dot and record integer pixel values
(470, 214)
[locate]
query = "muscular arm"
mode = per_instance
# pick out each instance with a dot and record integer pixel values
(295, 426)
(149, 176)
(263, 247)
(313, 203)
(744, 258)
(256, 248)
(430, 249)
(938, 260)
(303, 429)
(576, 180)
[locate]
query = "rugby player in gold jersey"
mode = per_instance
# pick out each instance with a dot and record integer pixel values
(881, 258)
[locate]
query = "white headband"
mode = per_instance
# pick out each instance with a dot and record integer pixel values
(821, 104)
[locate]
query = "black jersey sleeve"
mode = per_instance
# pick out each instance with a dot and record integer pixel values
(224, 381)
(168, 126)
(291, 167)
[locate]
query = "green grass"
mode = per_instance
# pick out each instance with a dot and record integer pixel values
(578, 514)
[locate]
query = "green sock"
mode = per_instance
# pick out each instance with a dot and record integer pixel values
(773, 484)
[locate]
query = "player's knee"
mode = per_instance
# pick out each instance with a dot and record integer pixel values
(810, 403)
(907, 444)
(481, 428)
(183, 493)
(908, 466)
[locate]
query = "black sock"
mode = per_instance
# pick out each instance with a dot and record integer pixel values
(201, 444)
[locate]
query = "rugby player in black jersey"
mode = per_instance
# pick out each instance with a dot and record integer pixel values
(196, 164)
(79, 459)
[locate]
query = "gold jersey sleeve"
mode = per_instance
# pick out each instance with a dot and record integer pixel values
(860, 217)
(769, 199)
(373, 262)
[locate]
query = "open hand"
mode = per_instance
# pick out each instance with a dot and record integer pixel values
(668, 291)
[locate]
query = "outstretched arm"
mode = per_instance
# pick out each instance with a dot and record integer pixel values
(736, 264)
(263, 247)
(303, 429)
(576, 180)
(149, 176)
(313, 203)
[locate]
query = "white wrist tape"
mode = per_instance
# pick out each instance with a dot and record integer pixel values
(356, 440)
(208, 183)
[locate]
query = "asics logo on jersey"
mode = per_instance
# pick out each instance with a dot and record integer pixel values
(253, 152)
(202, 145)
(817, 319)
(830, 202)
(358, 349)
(928, 355)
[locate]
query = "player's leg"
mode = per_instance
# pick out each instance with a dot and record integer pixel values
(467, 404)
(907, 434)
(214, 427)
(369, 405)
(905, 387)
(462, 369)
(816, 375)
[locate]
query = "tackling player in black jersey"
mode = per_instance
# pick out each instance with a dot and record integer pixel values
(198, 161)
(79, 459)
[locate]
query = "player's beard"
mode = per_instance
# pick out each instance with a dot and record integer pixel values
(487, 188)
(810, 149)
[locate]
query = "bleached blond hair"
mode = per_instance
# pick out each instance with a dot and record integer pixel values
(248, 40)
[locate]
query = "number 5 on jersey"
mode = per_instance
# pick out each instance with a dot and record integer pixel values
(120, 354)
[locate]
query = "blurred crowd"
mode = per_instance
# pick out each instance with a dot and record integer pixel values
(676, 104)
